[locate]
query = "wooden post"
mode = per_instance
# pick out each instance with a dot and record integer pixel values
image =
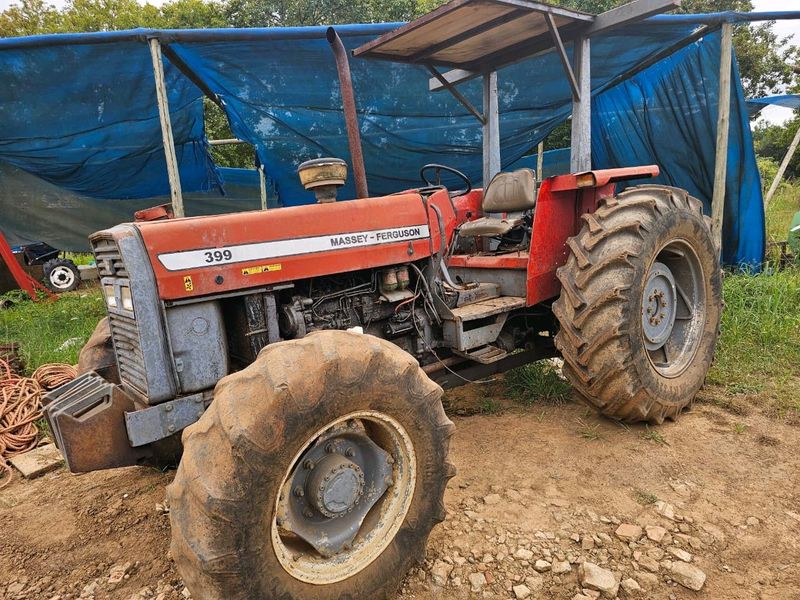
(540, 161)
(166, 129)
(782, 169)
(491, 129)
(723, 126)
(581, 150)
(262, 184)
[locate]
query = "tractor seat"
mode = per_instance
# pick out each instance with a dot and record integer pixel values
(511, 193)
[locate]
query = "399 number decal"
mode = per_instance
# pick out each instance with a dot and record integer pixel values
(215, 256)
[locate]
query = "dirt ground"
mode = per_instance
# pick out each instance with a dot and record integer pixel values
(539, 491)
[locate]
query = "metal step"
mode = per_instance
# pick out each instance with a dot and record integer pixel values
(478, 324)
(485, 354)
(487, 308)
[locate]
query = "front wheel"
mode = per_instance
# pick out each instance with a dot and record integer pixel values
(640, 304)
(317, 472)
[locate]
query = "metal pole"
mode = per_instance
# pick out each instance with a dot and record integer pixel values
(540, 161)
(723, 125)
(166, 129)
(581, 151)
(350, 116)
(782, 169)
(262, 184)
(491, 128)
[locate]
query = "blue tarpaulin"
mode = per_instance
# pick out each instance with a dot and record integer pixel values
(90, 122)
(667, 115)
(756, 105)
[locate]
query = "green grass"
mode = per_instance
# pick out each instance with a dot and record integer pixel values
(653, 435)
(537, 382)
(80, 258)
(42, 328)
(758, 354)
(645, 498)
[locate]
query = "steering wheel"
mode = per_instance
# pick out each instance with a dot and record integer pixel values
(437, 169)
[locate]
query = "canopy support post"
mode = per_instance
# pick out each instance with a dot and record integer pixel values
(723, 126)
(166, 129)
(262, 185)
(491, 129)
(540, 161)
(581, 150)
(782, 169)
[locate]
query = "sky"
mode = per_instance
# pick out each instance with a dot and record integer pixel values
(773, 114)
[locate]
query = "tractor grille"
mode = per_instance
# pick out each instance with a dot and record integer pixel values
(108, 259)
(125, 333)
(124, 329)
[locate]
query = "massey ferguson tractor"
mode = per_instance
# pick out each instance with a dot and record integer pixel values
(296, 354)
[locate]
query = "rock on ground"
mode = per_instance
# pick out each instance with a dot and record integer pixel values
(689, 576)
(597, 578)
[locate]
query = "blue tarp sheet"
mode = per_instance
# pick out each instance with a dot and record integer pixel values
(90, 121)
(667, 115)
(84, 117)
(756, 105)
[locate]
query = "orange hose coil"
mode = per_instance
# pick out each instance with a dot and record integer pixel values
(21, 407)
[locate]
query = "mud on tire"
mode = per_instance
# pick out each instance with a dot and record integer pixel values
(225, 493)
(610, 320)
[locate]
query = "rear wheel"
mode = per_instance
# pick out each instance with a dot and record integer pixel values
(61, 275)
(317, 472)
(640, 304)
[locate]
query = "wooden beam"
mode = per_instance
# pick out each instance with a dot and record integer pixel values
(262, 185)
(723, 126)
(491, 128)
(782, 169)
(456, 94)
(453, 77)
(166, 129)
(630, 13)
(581, 149)
(562, 54)
(540, 161)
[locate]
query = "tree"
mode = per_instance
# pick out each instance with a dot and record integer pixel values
(772, 141)
(29, 17)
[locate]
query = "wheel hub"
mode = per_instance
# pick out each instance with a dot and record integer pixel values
(62, 277)
(659, 306)
(335, 486)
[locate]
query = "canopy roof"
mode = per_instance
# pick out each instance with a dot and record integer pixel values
(475, 34)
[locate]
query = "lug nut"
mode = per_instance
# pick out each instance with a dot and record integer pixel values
(329, 448)
(349, 453)
(298, 491)
(308, 464)
(308, 513)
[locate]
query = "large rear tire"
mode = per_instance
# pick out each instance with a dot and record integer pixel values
(640, 304)
(281, 455)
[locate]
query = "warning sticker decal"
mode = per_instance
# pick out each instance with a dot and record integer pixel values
(261, 269)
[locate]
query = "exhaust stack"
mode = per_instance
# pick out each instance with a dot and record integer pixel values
(349, 105)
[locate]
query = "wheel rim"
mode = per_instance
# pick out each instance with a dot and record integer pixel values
(344, 497)
(62, 277)
(673, 308)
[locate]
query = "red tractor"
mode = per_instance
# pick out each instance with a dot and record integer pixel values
(300, 352)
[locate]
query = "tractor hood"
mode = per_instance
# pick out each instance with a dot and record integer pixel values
(200, 256)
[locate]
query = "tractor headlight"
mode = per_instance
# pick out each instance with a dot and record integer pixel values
(111, 298)
(125, 297)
